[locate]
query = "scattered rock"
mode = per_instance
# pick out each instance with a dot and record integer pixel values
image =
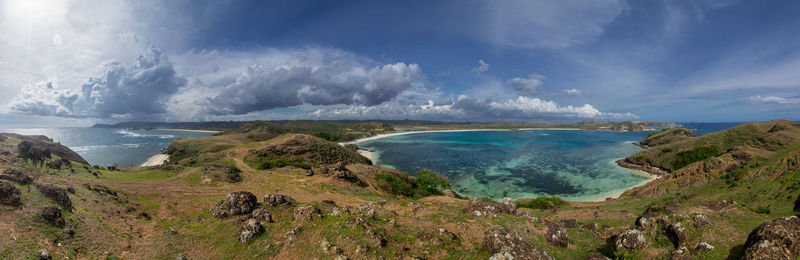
(377, 240)
(52, 214)
(701, 221)
(557, 234)
(237, 203)
(16, 175)
(180, 257)
(719, 205)
(774, 239)
(429, 239)
(510, 204)
(357, 221)
(643, 222)
(337, 211)
(677, 234)
(272, 200)
(329, 248)
(44, 255)
(703, 246)
(507, 244)
(679, 254)
(9, 194)
(529, 216)
(485, 208)
(291, 235)
(570, 223)
(262, 216)
(58, 194)
(629, 240)
(305, 213)
(250, 229)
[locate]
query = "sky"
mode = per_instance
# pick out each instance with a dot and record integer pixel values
(75, 63)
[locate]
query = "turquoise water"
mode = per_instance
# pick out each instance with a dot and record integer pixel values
(574, 165)
(109, 146)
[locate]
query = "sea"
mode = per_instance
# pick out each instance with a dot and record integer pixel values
(111, 146)
(576, 165)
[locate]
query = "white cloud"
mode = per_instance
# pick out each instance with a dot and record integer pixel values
(529, 86)
(773, 99)
(482, 67)
(573, 92)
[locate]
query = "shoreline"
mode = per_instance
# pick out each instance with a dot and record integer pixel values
(379, 136)
(189, 130)
(156, 160)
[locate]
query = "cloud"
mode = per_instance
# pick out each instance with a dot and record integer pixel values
(138, 91)
(482, 67)
(529, 86)
(773, 99)
(573, 92)
(466, 108)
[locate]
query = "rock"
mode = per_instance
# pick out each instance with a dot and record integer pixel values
(703, 246)
(291, 235)
(774, 239)
(16, 175)
(355, 222)
(70, 189)
(504, 243)
(58, 194)
(250, 229)
(340, 257)
(797, 204)
(180, 257)
(652, 210)
(9, 194)
(337, 211)
(361, 250)
(529, 216)
(305, 213)
(309, 172)
(591, 226)
(719, 205)
(510, 204)
(429, 239)
(557, 234)
(643, 222)
(631, 239)
(52, 214)
(570, 223)
(44, 255)
(451, 193)
(450, 235)
(272, 200)
(375, 239)
(701, 221)
(679, 254)
(485, 208)
(596, 255)
(329, 248)
(236, 203)
(262, 216)
(677, 234)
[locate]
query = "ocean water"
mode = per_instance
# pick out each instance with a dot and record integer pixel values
(109, 146)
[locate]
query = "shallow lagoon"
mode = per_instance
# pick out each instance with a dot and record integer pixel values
(574, 165)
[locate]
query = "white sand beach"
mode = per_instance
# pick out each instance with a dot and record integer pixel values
(374, 137)
(156, 160)
(367, 153)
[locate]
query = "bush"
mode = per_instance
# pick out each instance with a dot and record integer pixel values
(430, 183)
(278, 162)
(682, 159)
(544, 202)
(394, 185)
(762, 210)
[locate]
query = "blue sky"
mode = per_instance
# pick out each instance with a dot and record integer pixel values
(80, 62)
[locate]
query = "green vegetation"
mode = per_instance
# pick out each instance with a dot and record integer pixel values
(278, 162)
(430, 183)
(682, 159)
(544, 202)
(427, 183)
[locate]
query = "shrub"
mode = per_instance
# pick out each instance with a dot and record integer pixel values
(762, 210)
(544, 202)
(430, 183)
(278, 162)
(682, 159)
(394, 185)
(427, 183)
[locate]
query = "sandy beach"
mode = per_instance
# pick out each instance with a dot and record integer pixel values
(374, 137)
(156, 160)
(367, 153)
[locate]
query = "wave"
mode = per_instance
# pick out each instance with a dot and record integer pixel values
(628, 142)
(87, 148)
(130, 133)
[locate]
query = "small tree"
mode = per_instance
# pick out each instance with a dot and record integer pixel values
(430, 183)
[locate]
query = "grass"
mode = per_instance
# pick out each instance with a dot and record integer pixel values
(682, 159)
(278, 162)
(148, 175)
(544, 202)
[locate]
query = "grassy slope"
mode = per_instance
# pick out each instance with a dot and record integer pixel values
(175, 197)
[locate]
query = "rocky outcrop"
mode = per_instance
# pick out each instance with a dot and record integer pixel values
(58, 194)
(484, 208)
(261, 215)
(237, 203)
(250, 229)
(504, 242)
(52, 214)
(272, 200)
(37, 148)
(306, 213)
(557, 235)
(775, 239)
(677, 234)
(9, 194)
(16, 175)
(628, 240)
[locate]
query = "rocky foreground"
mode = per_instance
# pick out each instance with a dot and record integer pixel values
(727, 195)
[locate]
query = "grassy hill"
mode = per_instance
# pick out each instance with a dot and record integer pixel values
(718, 186)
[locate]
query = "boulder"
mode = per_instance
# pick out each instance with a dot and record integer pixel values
(52, 214)
(569, 223)
(44, 255)
(250, 229)
(58, 194)
(356, 221)
(306, 212)
(236, 203)
(485, 208)
(774, 239)
(703, 246)
(16, 175)
(451, 193)
(9, 194)
(529, 215)
(680, 254)
(329, 248)
(272, 200)
(701, 221)
(504, 243)
(677, 234)
(262, 216)
(629, 240)
(557, 234)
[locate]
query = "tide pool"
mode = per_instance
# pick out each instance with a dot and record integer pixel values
(573, 165)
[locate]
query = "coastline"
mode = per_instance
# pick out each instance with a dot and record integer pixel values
(156, 160)
(189, 130)
(379, 136)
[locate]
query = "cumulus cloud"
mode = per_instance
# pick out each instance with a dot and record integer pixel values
(466, 108)
(773, 99)
(482, 67)
(137, 91)
(529, 86)
(573, 92)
